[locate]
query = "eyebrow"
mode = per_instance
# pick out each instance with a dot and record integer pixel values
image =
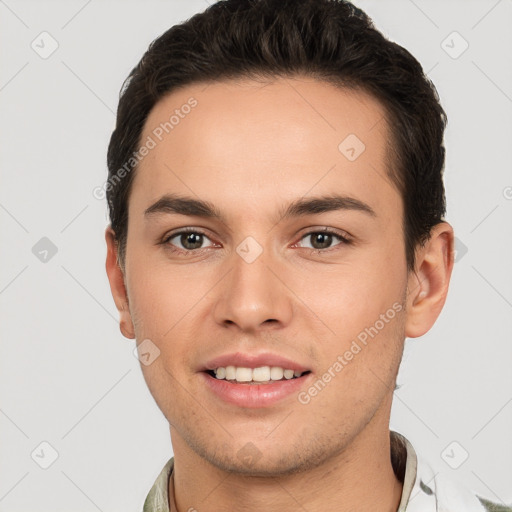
(183, 205)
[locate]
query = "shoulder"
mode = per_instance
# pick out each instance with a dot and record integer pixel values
(454, 495)
(429, 490)
(494, 507)
(158, 498)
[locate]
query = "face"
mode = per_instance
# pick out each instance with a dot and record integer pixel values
(323, 284)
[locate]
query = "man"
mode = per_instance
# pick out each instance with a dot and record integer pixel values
(277, 231)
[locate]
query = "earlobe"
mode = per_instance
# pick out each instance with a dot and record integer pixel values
(428, 284)
(117, 285)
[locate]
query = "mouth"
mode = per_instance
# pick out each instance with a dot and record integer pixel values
(260, 387)
(263, 375)
(254, 379)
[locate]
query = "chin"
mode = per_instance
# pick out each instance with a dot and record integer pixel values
(254, 460)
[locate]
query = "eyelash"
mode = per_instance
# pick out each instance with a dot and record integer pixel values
(343, 240)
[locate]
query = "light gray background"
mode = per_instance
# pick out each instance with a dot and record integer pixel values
(67, 375)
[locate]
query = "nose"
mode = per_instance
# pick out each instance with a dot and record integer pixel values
(252, 297)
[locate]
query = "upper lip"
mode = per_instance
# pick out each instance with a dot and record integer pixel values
(240, 359)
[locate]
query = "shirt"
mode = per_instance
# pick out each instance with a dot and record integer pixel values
(423, 490)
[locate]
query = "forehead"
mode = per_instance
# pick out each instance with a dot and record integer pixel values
(242, 140)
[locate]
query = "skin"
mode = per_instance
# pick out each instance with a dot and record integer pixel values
(250, 148)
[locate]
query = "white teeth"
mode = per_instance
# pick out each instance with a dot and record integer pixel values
(263, 374)
(243, 374)
(276, 373)
(288, 374)
(230, 372)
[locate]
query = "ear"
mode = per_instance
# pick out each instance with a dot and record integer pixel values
(428, 283)
(117, 286)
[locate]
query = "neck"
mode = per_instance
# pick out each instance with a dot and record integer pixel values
(361, 477)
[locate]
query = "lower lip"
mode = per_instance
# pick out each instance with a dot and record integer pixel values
(254, 395)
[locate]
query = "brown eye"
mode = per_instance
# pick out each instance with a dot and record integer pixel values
(186, 241)
(323, 240)
(191, 240)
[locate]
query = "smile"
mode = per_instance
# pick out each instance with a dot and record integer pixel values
(251, 393)
(260, 375)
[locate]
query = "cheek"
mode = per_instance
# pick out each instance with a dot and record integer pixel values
(159, 297)
(168, 307)
(349, 297)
